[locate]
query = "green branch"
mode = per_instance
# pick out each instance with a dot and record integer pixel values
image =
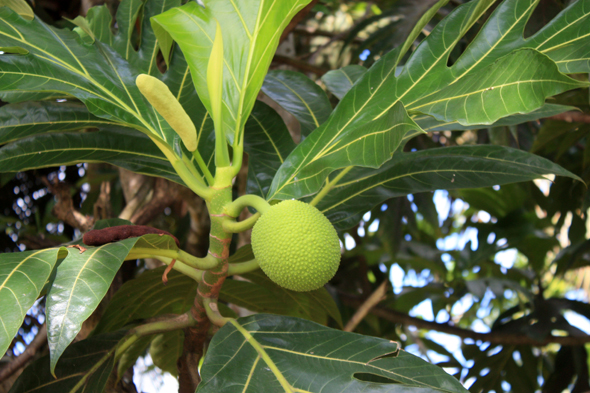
(190, 177)
(198, 263)
(213, 314)
(233, 209)
(233, 226)
(243, 267)
(179, 266)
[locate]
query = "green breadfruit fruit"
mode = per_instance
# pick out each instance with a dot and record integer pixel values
(296, 246)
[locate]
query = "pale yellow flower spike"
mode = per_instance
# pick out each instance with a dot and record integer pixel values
(162, 99)
(215, 87)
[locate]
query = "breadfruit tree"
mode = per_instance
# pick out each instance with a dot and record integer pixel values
(170, 91)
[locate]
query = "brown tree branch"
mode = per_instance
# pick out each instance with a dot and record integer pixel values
(492, 337)
(165, 194)
(64, 208)
(302, 65)
(377, 296)
(39, 340)
(297, 19)
(572, 117)
(102, 207)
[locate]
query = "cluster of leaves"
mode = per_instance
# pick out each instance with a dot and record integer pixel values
(59, 83)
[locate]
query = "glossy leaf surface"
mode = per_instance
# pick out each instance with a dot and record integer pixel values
(300, 96)
(85, 367)
(82, 280)
(365, 142)
(276, 353)
(251, 32)
(34, 118)
(59, 63)
(425, 80)
(506, 89)
(125, 148)
(340, 81)
(22, 277)
(267, 142)
(146, 296)
(429, 170)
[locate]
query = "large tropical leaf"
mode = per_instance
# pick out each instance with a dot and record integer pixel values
(56, 60)
(300, 96)
(429, 170)
(33, 118)
(251, 33)
(267, 142)
(63, 63)
(504, 89)
(260, 294)
(125, 148)
(294, 355)
(22, 277)
(84, 367)
(80, 283)
(340, 81)
(429, 123)
(420, 82)
(370, 143)
(146, 297)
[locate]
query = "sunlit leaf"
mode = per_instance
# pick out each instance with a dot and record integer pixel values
(420, 83)
(505, 89)
(248, 45)
(369, 143)
(429, 123)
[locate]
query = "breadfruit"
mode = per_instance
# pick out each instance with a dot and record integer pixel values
(296, 246)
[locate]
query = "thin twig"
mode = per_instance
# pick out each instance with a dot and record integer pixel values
(39, 340)
(377, 296)
(572, 117)
(501, 338)
(297, 19)
(64, 207)
(302, 65)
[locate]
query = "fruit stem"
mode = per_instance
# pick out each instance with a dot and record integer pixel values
(213, 313)
(233, 226)
(179, 266)
(243, 267)
(198, 263)
(233, 209)
(329, 186)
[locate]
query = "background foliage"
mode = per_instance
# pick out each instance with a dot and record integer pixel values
(480, 277)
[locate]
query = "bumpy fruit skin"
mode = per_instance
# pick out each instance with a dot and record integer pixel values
(296, 246)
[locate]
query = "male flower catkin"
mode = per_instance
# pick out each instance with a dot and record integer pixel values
(296, 246)
(163, 101)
